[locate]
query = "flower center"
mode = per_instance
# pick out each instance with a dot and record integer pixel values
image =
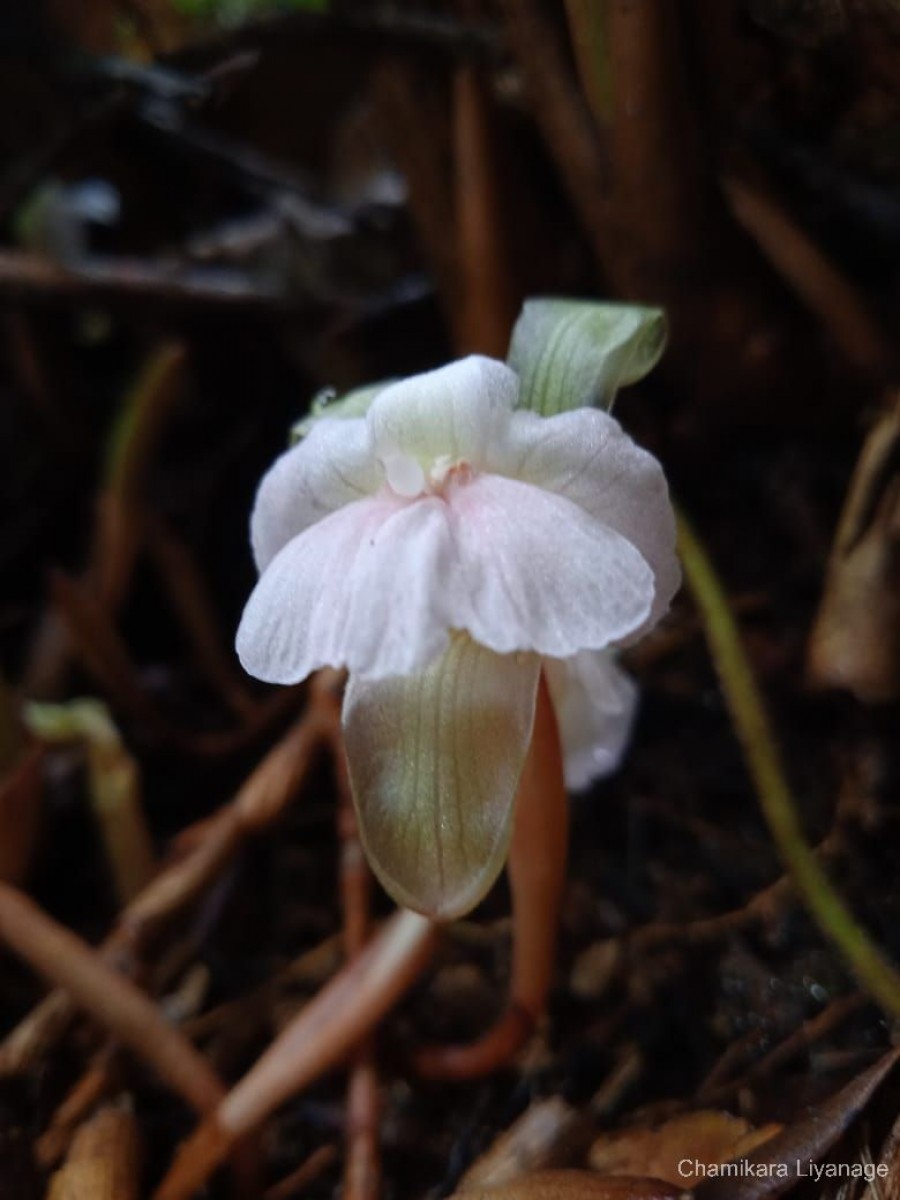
(406, 476)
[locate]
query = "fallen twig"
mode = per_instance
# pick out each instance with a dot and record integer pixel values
(330, 1026)
(213, 844)
(31, 278)
(111, 999)
(795, 1044)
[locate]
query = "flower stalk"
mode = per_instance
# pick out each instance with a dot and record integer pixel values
(536, 870)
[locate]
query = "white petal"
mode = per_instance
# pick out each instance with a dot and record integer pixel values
(456, 412)
(586, 456)
(368, 588)
(595, 703)
(404, 474)
(540, 573)
(434, 762)
(333, 465)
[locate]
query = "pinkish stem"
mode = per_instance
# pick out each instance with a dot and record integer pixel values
(537, 869)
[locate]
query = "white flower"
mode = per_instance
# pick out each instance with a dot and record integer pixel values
(438, 548)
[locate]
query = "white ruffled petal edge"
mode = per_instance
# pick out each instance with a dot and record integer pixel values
(595, 703)
(370, 588)
(585, 456)
(540, 573)
(434, 761)
(378, 585)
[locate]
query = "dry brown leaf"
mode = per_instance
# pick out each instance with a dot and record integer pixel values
(855, 642)
(807, 1141)
(887, 1186)
(706, 1137)
(573, 1185)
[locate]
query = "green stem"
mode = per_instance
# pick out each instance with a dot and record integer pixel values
(763, 759)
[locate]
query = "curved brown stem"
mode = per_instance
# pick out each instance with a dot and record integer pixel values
(330, 1026)
(537, 866)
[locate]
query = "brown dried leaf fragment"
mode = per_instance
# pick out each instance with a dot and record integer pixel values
(808, 1140)
(887, 1186)
(707, 1137)
(855, 642)
(573, 1185)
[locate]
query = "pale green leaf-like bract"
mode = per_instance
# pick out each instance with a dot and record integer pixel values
(575, 353)
(327, 403)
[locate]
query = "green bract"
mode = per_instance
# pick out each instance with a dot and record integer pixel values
(567, 354)
(328, 404)
(574, 353)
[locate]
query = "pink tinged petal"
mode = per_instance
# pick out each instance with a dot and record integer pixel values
(595, 703)
(540, 573)
(585, 456)
(434, 762)
(455, 412)
(332, 466)
(368, 588)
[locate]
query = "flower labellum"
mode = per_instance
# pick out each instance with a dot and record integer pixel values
(444, 546)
